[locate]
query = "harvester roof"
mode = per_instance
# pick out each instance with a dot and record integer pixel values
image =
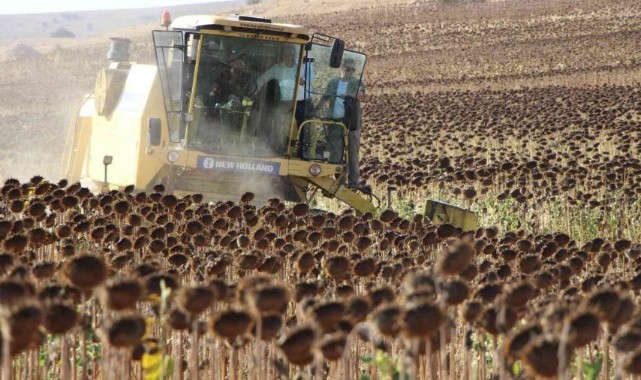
(202, 21)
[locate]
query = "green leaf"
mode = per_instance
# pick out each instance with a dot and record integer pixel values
(592, 369)
(367, 359)
(382, 358)
(364, 377)
(397, 376)
(169, 366)
(516, 368)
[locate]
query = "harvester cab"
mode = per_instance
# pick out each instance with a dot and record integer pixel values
(230, 107)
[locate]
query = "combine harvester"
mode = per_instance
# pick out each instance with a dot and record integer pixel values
(218, 115)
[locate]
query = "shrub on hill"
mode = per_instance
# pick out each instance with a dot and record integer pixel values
(20, 51)
(62, 33)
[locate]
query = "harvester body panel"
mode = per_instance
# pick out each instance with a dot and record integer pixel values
(120, 134)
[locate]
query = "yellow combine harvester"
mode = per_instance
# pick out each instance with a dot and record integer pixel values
(216, 115)
(233, 104)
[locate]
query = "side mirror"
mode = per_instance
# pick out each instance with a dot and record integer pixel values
(336, 57)
(153, 131)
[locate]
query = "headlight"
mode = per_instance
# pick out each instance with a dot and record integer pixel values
(315, 169)
(173, 156)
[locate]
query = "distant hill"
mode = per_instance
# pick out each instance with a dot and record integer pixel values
(91, 23)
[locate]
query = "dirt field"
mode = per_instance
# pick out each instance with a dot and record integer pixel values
(504, 45)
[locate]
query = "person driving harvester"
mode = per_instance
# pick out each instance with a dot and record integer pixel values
(229, 89)
(224, 104)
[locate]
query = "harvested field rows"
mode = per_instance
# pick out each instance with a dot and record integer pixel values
(541, 148)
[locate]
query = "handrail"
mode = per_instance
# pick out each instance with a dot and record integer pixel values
(327, 121)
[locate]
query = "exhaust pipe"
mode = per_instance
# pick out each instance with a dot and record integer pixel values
(119, 49)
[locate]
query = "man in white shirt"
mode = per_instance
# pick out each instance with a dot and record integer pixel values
(285, 73)
(276, 88)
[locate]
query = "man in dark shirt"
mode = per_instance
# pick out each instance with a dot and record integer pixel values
(338, 91)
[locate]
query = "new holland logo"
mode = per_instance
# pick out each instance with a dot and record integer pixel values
(227, 164)
(209, 162)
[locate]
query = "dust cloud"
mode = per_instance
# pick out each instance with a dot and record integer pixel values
(41, 84)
